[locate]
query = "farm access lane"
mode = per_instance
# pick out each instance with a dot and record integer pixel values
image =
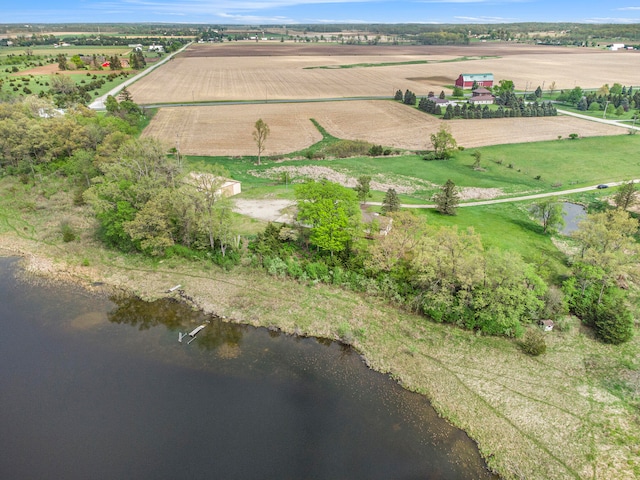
(517, 199)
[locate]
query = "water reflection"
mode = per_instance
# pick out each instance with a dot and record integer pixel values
(176, 317)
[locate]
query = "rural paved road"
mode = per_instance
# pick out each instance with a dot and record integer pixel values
(98, 103)
(615, 123)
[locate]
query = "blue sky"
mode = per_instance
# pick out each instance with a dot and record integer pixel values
(319, 11)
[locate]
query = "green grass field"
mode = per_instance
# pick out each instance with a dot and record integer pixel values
(15, 76)
(68, 51)
(515, 168)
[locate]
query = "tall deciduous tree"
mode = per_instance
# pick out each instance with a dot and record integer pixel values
(447, 199)
(608, 244)
(443, 143)
(549, 212)
(363, 188)
(504, 87)
(399, 245)
(260, 133)
(331, 211)
(626, 196)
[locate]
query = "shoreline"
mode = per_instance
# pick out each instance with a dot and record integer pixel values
(482, 385)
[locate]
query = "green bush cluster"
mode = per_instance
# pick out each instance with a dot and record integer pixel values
(533, 342)
(348, 148)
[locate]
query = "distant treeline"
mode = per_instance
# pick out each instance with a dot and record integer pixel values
(442, 34)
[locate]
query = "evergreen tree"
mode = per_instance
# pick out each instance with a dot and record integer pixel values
(125, 95)
(398, 96)
(391, 202)
(447, 199)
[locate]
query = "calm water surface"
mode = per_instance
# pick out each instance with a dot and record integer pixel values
(95, 388)
(573, 214)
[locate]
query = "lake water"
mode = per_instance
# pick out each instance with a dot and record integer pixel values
(98, 388)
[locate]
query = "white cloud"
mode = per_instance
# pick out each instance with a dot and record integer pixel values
(628, 8)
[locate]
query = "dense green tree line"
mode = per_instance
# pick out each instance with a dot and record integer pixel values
(471, 111)
(614, 97)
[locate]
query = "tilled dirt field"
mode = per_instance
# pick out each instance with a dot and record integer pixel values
(227, 129)
(256, 49)
(246, 72)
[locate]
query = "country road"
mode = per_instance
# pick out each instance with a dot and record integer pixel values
(98, 103)
(517, 199)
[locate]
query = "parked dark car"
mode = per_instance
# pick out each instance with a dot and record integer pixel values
(602, 185)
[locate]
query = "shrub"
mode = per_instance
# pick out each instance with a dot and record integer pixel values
(613, 321)
(317, 271)
(67, 231)
(376, 151)
(533, 342)
(573, 136)
(294, 269)
(275, 266)
(348, 148)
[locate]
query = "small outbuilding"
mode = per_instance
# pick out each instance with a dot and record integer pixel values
(547, 325)
(224, 187)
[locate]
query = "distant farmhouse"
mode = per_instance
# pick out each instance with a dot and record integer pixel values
(466, 80)
(481, 96)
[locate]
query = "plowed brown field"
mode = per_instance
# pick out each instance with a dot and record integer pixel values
(224, 72)
(273, 71)
(227, 129)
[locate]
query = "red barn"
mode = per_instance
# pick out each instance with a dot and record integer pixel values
(466, 80)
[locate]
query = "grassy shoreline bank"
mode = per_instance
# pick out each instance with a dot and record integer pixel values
(546, 417)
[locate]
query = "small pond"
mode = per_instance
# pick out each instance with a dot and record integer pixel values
(100, 388)
(573, 214)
